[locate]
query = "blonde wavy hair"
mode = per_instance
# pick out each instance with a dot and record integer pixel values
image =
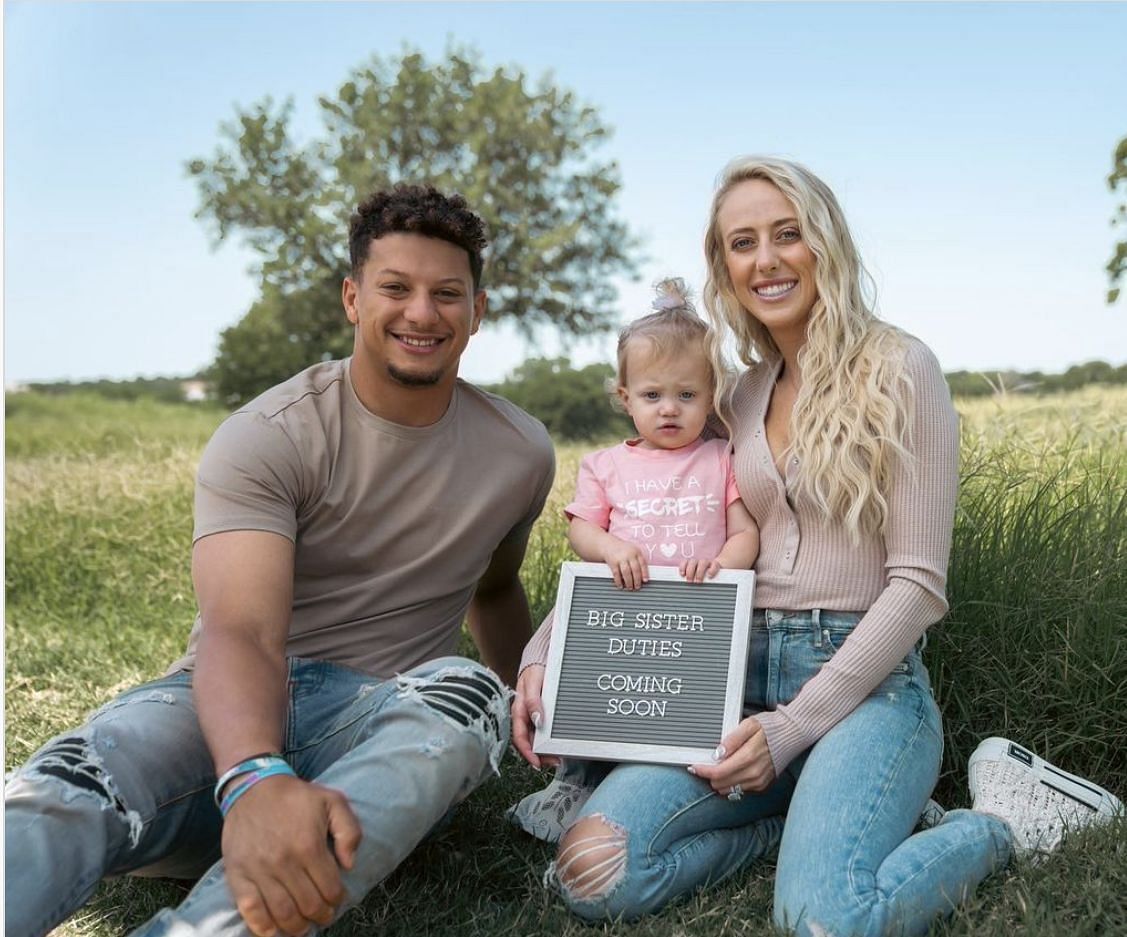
(850, 424)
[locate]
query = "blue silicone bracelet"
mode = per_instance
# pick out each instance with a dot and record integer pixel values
(246, 781)
(247, 764)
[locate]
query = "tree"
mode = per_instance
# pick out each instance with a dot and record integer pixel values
(1117, 266)
(521, 155)
(572, 404)
(981, 384)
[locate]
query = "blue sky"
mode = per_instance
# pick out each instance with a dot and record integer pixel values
(969, 144)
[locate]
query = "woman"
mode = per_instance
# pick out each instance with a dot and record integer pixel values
(846, 455)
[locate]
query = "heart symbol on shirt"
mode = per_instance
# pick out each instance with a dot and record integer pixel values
(668, 549)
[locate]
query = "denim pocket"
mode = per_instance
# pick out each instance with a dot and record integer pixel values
(321, 698)
(833, 637)
(804, 647)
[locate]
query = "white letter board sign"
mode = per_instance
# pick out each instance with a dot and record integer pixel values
(655, 674)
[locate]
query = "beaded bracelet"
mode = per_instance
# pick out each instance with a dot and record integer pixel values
(244, 782)
(261, 760)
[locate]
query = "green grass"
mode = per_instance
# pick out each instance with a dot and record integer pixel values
(98, 529)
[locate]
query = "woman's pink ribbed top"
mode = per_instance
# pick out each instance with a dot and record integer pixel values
(807, 561)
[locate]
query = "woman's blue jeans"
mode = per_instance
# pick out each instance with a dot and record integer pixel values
(131, 791)
(848, 862)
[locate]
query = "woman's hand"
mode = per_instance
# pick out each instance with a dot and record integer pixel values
(527, 712)
(744, 761)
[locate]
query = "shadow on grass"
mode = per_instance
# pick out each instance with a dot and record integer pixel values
(477, 877)
(480, 878)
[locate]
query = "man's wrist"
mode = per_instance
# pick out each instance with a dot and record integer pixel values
(244, 782)
(257, 762)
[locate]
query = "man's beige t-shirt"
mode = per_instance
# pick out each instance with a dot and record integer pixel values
(393, 526)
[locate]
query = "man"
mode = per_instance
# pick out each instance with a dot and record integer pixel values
(346, 521)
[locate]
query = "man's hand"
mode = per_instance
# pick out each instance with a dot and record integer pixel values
(527, 711)
(284, 844)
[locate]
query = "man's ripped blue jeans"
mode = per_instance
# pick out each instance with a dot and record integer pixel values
(131, 790)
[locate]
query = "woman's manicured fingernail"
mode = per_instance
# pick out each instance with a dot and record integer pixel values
(691, 770)
(719, 754)
(536, 719)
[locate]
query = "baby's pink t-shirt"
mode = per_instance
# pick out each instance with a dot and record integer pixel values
(671, 502)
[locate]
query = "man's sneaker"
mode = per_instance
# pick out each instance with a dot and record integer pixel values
(1038, 801)
(932, 815)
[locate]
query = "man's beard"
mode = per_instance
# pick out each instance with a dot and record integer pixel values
(412, 378)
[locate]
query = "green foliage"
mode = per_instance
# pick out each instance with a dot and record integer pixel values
(86, 424)
(1038, 587)
(985, 383)
(99, 597)
(165, 389)
(274, 341)
(519, 151)
(1117, 265)
(572, 404)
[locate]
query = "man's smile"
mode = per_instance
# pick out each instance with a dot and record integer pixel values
(419, 342)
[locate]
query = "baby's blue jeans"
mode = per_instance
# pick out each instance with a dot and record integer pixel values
(848, 861)
(131, 791)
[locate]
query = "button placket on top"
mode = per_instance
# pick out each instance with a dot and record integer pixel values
(783, 485)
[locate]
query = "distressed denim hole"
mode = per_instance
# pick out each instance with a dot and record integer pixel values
(74, 761)
(466, 698)
(591, 861)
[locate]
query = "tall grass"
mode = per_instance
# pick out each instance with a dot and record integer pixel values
(1035, 644)
(98, 500)
(98, 531)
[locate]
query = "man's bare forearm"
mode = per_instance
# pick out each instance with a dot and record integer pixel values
(240, 693)
(244, 584)
(501, 625)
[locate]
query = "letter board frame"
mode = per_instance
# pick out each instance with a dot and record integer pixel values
(705, 685)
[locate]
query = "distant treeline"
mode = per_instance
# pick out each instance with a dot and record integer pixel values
(165, 389)
(984, 383)
(573, 402)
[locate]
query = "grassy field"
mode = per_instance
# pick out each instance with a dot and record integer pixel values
(98, 529)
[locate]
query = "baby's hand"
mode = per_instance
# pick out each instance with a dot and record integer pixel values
(699, 570)
(627, 564)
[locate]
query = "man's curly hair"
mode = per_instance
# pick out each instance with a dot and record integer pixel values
(416, 209)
